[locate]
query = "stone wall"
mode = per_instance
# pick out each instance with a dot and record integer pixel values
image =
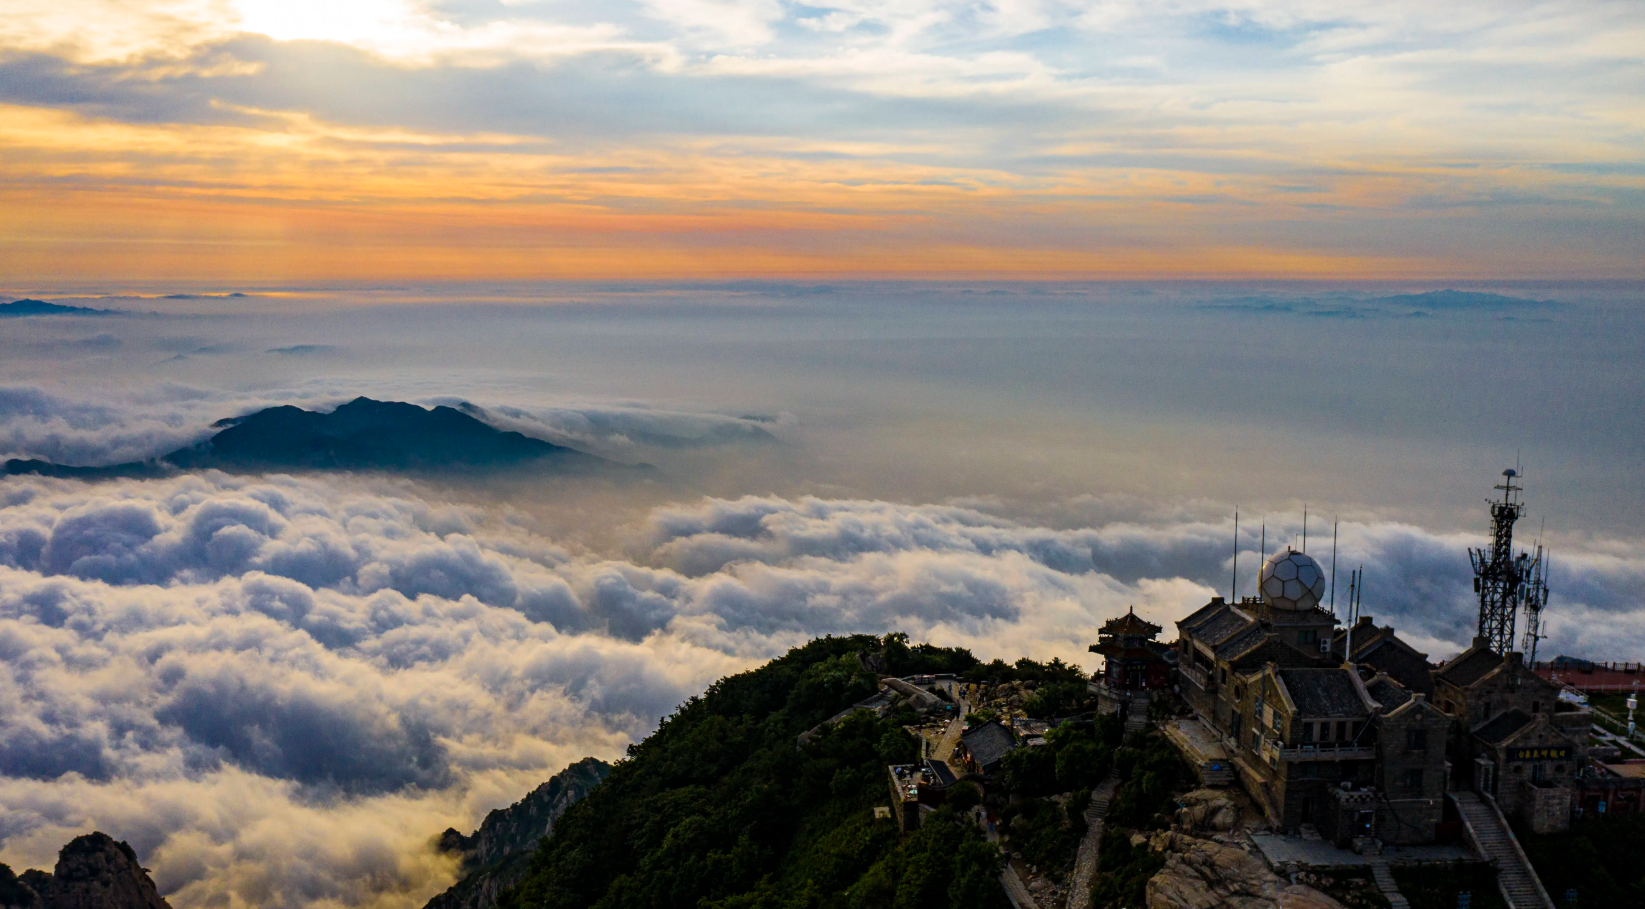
(1548, 809)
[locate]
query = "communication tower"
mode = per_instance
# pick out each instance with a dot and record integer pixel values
(1505, 580)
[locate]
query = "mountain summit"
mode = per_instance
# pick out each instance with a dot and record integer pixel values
(361, 435)
(93, 871)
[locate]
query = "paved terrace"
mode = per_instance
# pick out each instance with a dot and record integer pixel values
(1281, 850)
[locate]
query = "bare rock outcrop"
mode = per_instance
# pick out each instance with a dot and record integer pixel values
(94, 871)
(1202, 874)
(1207, 809)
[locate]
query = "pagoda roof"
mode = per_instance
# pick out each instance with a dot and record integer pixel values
(1130, 624)
(1122, 652)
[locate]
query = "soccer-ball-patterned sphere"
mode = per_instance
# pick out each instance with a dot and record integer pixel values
(1292, 580)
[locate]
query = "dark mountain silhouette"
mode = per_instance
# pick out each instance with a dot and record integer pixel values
(496, 856)
(360, 435)
(93, 871)
(18, 308)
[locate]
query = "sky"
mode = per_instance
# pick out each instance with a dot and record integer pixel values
(979, 322)
(297, 140)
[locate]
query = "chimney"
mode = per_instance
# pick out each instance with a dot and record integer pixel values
(1364, 622)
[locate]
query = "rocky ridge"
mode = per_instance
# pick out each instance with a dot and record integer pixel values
(93, 871)
(496, 856)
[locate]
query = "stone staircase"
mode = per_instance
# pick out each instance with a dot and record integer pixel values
(1490, 833)
(1389, 887)
(1136, 715)
(1085, 864)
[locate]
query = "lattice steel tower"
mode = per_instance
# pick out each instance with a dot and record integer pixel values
(1504, 580)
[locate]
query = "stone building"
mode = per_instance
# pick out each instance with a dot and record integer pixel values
(1324, 729)
(1412, 773)
(1220, 641)
(1382, 650)
(1513, 736)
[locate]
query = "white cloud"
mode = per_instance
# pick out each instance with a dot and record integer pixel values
(224, 669)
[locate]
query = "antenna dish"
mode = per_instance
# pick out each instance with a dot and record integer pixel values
(1510, 472)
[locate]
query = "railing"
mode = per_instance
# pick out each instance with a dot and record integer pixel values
(1328, 751)
(1194, 674)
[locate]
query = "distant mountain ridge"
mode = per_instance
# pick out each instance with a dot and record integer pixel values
(361, 435)
(19, 308)
(496, 856)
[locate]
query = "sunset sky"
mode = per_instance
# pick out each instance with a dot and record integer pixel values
(272, 140)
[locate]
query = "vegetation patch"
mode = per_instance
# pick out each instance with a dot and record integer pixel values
(1151, 773)
(1598, 860)
(1123, 871)
(718, 809)
(1441, 886)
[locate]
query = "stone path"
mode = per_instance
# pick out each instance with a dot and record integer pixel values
(1515, 875)
(1014, 889)
(951, 736)
(1085, 865)
(1386, 883)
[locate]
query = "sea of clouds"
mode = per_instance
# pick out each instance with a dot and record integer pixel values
(280, 688)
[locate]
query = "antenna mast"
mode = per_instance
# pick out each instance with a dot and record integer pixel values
(1233, 586)
(1535, 594)
(1504, 580)
(1333, 569)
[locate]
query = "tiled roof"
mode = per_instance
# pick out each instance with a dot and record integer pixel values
(1504, 725)
(1470, 667)
(988, 743)
(1387, 692)
(941, 776)
(1323, 692)
(1201, 614)
(1223, 626)
(1243, 643)
(1273, 650)
(1129, 624)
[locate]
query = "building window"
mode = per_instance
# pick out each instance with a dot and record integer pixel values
(1307, 636)
(1536, 706)
(1416, 740)
(1413, 781)
(1325, 732)
(1342, 730)
(1308, 770)
(1307, 732)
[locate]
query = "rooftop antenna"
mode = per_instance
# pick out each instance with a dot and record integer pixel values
(1333, 569)
(1233, 584)
(1504, 580)
(1264, 560)
(1305, 528)
(1348, 641)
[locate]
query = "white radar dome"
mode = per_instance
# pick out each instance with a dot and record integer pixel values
(1292, 580)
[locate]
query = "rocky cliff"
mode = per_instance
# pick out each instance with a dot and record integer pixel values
(93, 872)
(495, 856)
(1205, 874)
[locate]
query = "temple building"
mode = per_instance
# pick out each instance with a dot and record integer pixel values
(1134, 664)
